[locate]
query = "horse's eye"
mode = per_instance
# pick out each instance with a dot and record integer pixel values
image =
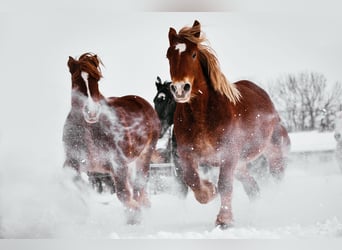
(194, 54)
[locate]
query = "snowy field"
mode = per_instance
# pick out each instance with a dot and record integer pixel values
(46, 204)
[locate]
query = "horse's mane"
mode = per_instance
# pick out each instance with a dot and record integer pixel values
(90, 63)
(210, 64)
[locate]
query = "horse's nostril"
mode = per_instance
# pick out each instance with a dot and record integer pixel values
(186, 87)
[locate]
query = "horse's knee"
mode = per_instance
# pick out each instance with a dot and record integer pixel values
(72, 163)
(206, 193)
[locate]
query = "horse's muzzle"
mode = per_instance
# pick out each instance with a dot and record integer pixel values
(91, 113)
(181, 91)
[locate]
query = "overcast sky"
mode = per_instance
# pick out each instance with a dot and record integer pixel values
(253, 41)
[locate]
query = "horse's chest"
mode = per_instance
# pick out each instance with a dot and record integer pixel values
(199, 141)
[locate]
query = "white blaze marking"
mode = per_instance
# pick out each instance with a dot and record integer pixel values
(181, 47)
(85, 78)
(162, 95)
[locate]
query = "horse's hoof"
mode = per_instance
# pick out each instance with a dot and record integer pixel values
(133, 216)
(224, 222)
(224, 226)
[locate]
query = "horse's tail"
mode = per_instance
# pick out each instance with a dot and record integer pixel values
(286, 140)
(280, 138)
(278, 154)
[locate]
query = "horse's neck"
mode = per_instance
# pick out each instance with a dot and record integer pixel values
(199, 103)
(208, 107)
(77, 99)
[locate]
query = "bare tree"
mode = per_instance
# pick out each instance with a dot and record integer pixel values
(305, 101)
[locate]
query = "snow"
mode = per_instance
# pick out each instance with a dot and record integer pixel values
(46, 203)
(312, 141)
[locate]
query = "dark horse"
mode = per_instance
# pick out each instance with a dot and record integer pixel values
(105, 135)
(219, 123)
(165, 105)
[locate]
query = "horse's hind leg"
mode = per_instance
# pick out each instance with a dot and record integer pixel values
(277, 151)
(249, 184)
(95, 180)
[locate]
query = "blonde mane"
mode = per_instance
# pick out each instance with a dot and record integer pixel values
(210, 64)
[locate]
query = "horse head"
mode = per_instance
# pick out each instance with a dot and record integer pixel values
(183, 59)
(194, 67)
(85, 74)
(164, 104)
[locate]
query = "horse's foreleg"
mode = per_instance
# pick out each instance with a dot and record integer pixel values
(225, 188)
(142, 175)
(204, 190)
(72, 163)
(123, 188)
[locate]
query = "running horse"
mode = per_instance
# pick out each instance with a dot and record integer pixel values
(110, 135)
(218, 123)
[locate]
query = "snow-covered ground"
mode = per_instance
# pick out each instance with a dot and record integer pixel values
(45, 203)
(312, 141)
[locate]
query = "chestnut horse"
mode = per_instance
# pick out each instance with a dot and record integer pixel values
(219, 123)
(105, 135)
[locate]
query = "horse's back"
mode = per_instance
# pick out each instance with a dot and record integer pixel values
(131, 103)
(133, 110)
(253, 94)
(255, 106)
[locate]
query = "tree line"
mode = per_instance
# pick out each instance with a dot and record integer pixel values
(305, 102)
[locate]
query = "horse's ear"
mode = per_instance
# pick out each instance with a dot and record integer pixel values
(158, 83)
(197, 26)
(97, 61)
(72, 64)
(172, 36)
